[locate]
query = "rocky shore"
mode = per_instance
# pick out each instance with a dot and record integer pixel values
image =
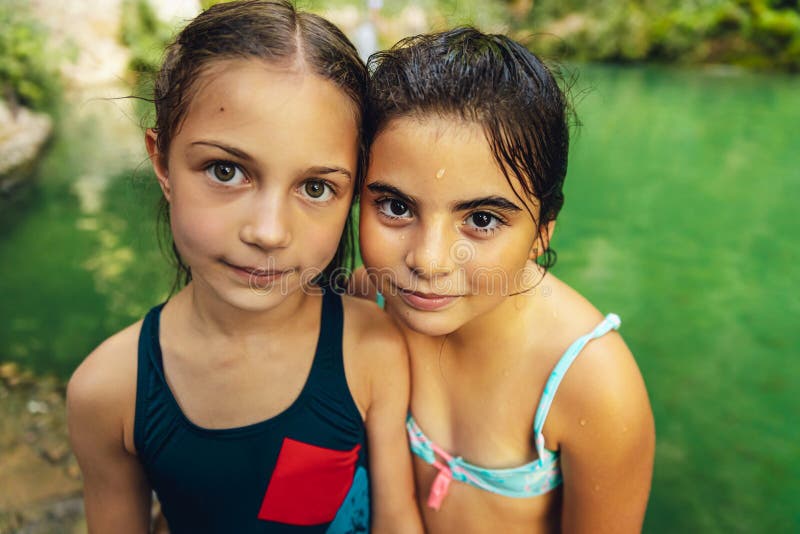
(23, 133)
(40, 482)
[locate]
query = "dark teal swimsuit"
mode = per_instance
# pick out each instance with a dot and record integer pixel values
(302, 471)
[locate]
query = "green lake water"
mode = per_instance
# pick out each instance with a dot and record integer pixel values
(680, 216)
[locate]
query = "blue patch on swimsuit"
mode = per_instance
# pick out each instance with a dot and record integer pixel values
(353, 515)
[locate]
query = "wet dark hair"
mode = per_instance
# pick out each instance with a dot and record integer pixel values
(272, 31)
(489, 80)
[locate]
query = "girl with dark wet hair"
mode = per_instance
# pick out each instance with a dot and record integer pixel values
(528, 412)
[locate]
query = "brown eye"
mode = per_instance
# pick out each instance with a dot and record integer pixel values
(482, 219)
(484, 222)
(393, 208)
(318, 190)
(315, 189)
(224, 172)
(397, 207)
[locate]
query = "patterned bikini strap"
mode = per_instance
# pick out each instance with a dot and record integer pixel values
(441, 484)
(611, 321)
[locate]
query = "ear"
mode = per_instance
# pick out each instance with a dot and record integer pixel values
(542, 240)
(158, 160)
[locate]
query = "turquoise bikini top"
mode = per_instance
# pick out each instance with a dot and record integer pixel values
(529, 480)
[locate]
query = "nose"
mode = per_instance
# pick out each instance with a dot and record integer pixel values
(430, 256)
(268, 221)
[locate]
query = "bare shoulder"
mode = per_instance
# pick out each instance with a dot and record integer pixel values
(101, 398)
(375, 354)
(603, 386)
(600, 422)
(371, 328)
(102, 389)
(108, 369)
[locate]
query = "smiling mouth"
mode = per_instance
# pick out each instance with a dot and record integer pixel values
(427, 301)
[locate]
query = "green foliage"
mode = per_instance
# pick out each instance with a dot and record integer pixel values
(147, 37)
(27, 74)
(760, 33)
(145, 34)
(754, 33)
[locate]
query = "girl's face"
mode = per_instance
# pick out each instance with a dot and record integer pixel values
(259, 179)
(441, 228)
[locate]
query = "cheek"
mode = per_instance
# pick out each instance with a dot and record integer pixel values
(497, 269)
(379, 244)
(318, 237)
(195, 229)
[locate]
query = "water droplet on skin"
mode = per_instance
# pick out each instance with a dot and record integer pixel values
(583, 422)
(440, 173)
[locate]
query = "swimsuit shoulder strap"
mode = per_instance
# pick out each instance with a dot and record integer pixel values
(610, 322)
(151, 388)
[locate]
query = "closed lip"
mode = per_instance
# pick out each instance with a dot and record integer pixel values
(257, 271)
(427, 301)
(422, 294)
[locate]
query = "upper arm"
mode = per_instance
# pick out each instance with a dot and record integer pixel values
(608, 442)
(382, 350)
(116, 493)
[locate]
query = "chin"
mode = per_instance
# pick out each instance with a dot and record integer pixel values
(255, 299)
(432, 324)
(251, 301)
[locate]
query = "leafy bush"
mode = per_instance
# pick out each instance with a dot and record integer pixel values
(27, 74)
(760, 33)
(145, 35)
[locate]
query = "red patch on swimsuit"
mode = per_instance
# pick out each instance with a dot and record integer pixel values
(309, 484)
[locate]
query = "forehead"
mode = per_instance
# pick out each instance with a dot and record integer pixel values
(252, 100)
(438, 160)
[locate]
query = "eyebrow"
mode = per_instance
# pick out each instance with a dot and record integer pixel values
(495, 202)
(320, 170)
(380, 187)
(324, 170)
(229, 149)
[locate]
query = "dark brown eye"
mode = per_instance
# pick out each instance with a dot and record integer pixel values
(224, 172)
(482, 219)
(397, 207)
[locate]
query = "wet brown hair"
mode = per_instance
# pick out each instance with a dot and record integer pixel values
(492, 81)
(272, 31)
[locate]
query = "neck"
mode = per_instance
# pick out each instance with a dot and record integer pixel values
(210, 315)
(505, 325)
